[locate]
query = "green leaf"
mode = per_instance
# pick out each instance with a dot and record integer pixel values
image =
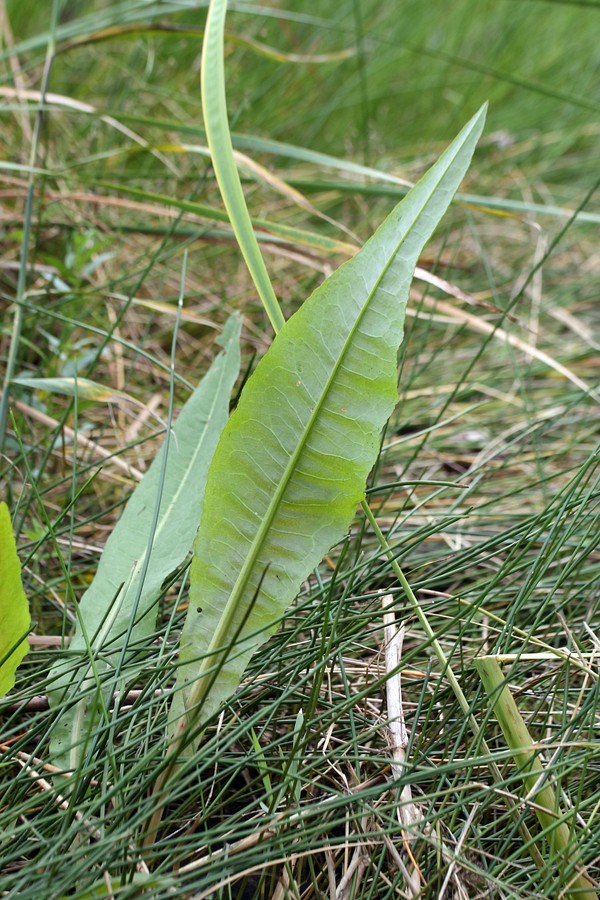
(14, 610)
(82, 388)
(218, 137)
(119, 608)
(292, 462)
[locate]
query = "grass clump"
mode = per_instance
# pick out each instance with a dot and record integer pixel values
(486, 486)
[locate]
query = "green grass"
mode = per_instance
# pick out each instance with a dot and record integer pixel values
(487, 484)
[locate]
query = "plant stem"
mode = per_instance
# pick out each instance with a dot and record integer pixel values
(535, 779)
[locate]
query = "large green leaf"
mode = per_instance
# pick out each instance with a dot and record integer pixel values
(293, 459)
(14, 610)
(145, 547)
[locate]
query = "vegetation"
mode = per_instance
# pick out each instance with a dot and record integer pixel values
(422, 721)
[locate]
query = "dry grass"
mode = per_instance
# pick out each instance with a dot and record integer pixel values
(486, 488)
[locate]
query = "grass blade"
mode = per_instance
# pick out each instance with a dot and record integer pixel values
(218, 137)
(82, 388)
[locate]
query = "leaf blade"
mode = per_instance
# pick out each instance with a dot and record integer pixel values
(292, 462)
(82, 388)
(127, 555)
(14, 609)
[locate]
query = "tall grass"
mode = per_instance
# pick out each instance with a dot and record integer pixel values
(486, 487)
